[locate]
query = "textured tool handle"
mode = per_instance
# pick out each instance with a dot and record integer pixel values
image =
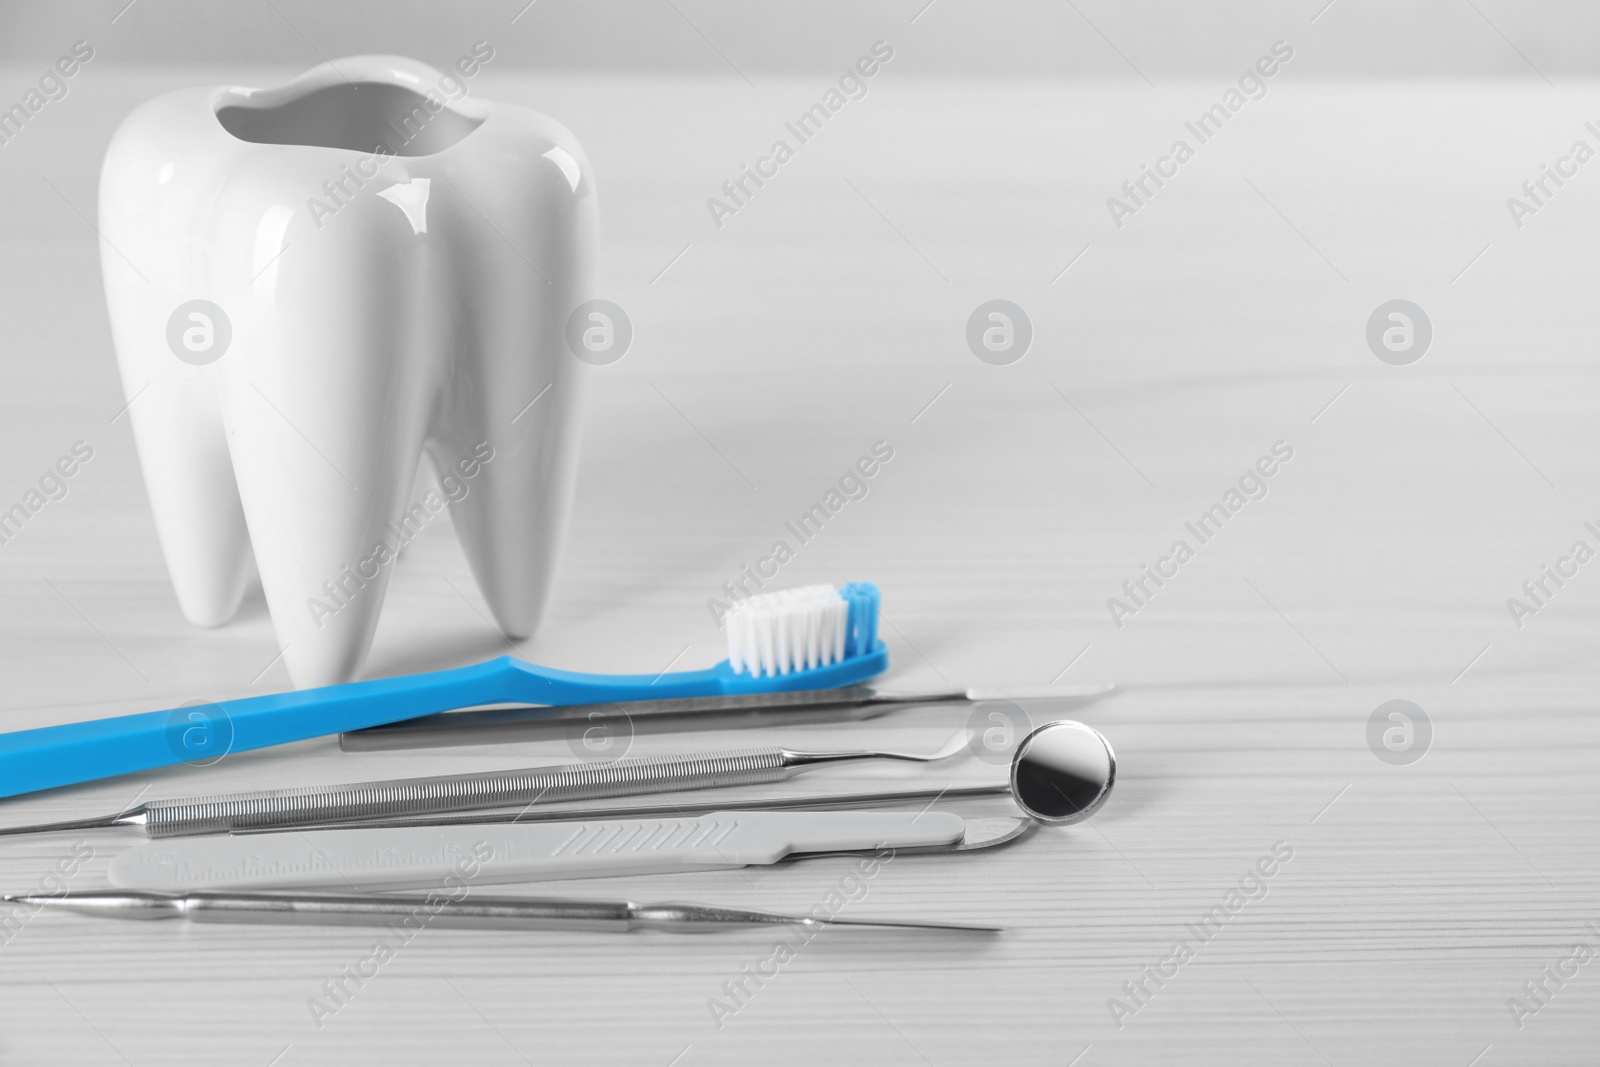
(475, 913)
(289, 808)
(423, 856)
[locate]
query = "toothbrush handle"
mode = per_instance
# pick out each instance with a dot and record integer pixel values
(289, 808)
(203, 733)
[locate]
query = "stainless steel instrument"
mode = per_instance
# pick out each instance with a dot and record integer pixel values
(370, 858)
(473, 912)
(686, 806)
(1062, 773)
(363, 801)
(530, 722)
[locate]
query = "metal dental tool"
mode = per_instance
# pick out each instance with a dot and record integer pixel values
(686, 806)
(365, 801)
(1061, 773)
(425, 856)
(531, 722)
(472, 913)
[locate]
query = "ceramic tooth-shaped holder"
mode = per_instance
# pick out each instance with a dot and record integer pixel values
(313, 285)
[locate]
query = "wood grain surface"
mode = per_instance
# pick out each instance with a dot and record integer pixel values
(1169, 354)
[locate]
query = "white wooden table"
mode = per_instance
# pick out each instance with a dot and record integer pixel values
(1225, 316)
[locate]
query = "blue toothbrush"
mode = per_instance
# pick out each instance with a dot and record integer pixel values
(811, 638)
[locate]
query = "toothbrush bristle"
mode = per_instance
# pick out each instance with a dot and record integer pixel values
(801, 629)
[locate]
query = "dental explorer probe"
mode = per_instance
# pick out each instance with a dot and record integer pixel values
(473, 913)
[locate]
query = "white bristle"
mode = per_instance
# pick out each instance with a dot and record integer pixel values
(793, 630)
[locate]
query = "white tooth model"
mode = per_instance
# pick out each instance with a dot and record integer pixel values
(311, 285)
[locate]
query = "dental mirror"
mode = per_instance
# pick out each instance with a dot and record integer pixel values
(1062, 772)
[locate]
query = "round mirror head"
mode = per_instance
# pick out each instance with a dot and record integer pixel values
(1062, 772)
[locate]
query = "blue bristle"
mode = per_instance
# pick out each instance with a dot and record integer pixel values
(861, 635)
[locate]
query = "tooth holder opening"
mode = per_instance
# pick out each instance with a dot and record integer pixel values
(367, 116)
(53, 756)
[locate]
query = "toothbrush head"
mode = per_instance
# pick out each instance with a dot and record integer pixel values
(861, 635)
(799, 633)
